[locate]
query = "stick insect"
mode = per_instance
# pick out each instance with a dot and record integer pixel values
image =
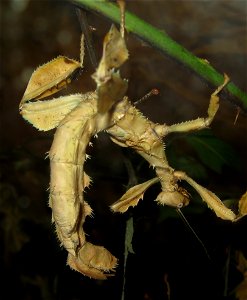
(78, 118)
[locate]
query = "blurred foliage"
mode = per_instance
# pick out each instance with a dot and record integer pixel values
(205, 156)
(241, 289)
(213, 152)
(209, 152)
(162, 41)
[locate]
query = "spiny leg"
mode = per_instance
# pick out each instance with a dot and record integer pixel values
(209, 197)
(201, 122)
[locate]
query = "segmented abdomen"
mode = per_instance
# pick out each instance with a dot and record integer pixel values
(67, 156)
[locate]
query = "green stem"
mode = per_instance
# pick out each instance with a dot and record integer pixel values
(163, 42)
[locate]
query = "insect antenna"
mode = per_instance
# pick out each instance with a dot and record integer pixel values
(86, 29)
(148, 95)
(182, 216)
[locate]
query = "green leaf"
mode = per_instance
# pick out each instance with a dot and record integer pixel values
(161, 40)
(191, 167)
(213, 152)
(180, 160)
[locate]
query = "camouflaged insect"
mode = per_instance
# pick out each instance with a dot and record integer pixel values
(78, 118)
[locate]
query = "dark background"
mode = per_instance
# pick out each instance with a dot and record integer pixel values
(33, 266)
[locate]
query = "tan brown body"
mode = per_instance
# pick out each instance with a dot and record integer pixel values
(67, 184)
(77, 118)
(134, 130)
(67, 156)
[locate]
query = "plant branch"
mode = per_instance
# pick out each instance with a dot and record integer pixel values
(160, 40)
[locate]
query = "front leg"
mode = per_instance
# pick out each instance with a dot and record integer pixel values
(201, 122)
(132, 129)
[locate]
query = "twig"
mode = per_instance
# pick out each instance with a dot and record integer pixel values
(168, 288)
(227, 272)
(160, 40)
(85, 29)
(129, 230)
